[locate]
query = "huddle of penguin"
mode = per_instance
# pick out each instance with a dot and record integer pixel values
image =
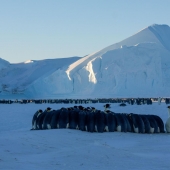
(92, 120)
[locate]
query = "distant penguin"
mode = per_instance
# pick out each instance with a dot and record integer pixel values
(159, 100)
(47, 118)
(160, 123)
(64, 118)
(110, 121)
(167, 124)
(54, 123)
(34, 119)
(146, 123)
(122, 104)
(138, 124)
(107, 107)
(132, 101)
(99, 121)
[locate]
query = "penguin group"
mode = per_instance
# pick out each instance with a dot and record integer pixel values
(92, 120)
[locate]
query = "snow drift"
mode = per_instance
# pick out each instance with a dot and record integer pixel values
(138, 66)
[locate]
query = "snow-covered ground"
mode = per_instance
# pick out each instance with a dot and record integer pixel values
(60, 149)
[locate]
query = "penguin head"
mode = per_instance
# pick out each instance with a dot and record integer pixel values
(168, 107)
(107, 105)
(69, 108)
(81, 107)
(40, 111)
(75, 107)
(88, 108)
(48, 109)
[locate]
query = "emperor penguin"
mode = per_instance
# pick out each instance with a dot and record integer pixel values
(82, 119)
(73, 118)
(159, 100)
(91, 120)
(63, 119)
(110, 121)
(146, 122)
(100, 121)
(55, 119)
(160, 123)
(131, 128)
(40, 120)
(167, 124)
(34, 119)
(138, 124)
(127, 123)
(120, 126)
(153, 124)
(47, 118)
(107, 107)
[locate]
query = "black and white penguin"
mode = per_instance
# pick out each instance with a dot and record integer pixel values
(132, 101)
(34, 119)
(73, 118)
(127, 126)
(120, 126)
(138, 124)
(47, 118)
(82, 120)
(167, 124)
(110, 121)
(130, 122)
(159, 100)
(106, 107)
(91, 121)
(99, 121)
(125, 123)
(63, 119)
(54, 123)
(160, 123)
(153, 124)
(40, 120)
(122, 104)
(146, 123)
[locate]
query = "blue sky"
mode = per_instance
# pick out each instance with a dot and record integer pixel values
(43, 29)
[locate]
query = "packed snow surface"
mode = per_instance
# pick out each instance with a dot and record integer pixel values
(138, 66)
(67, 149)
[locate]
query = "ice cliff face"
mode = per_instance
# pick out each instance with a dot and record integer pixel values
(138, 66)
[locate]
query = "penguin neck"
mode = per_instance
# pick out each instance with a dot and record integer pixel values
(39, 113)
(168, 112)
(106, 109)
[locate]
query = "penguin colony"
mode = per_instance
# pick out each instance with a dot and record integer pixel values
(91, 120)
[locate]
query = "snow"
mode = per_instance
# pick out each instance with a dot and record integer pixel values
(3, 64)
(16, 78)
(28, 61)
(138, 66)
(67, 149)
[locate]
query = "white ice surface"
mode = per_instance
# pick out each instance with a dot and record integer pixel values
(138, 66)
(66, 149)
